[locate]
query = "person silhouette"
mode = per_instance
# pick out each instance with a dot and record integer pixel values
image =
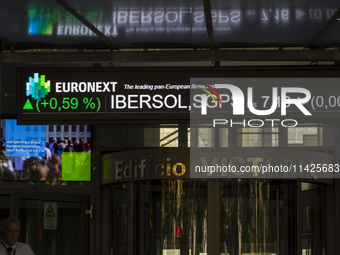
(10, 230)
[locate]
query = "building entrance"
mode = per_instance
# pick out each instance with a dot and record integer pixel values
(52, 223)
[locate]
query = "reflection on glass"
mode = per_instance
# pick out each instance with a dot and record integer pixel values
(224, 135)
(305, 136)
(172, 217)
(254, 217)
(258, 137)
(120, 213)
(313, 232)
(202, 136)
(205, 137)
(168, 137)
(38, 26)
(171, 137)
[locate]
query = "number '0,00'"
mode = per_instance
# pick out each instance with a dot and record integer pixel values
(334, 101)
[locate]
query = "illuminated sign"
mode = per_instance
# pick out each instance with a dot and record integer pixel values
(174, 163)
(114, 95)
(167, 163)
(102, 95)
(37, 87)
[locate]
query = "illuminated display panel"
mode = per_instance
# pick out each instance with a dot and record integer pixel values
(25, 140)
(159, 95)
(29, 156)
(103, 94)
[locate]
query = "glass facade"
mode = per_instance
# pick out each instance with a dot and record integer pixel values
(258, 137)
(254, 216)
(120, 219)
(313, 219)
(171, 217)
(174, 216)
(171, 214)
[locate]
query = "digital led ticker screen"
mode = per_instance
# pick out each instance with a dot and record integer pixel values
(126, 95)
(102, 95)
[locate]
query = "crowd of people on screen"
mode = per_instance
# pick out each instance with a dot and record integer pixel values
(46, 168)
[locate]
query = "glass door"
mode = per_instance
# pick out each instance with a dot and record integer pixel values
(52, 223)
(312, 215)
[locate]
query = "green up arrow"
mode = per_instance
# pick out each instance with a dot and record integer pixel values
(28, 105)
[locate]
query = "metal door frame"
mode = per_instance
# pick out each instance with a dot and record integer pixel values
(53, 196)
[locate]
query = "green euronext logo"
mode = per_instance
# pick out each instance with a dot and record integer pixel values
(37, 87)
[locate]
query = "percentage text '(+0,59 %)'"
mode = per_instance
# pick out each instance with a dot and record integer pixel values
(69, 104)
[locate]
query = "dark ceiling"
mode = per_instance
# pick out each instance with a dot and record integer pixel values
(182, 26)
